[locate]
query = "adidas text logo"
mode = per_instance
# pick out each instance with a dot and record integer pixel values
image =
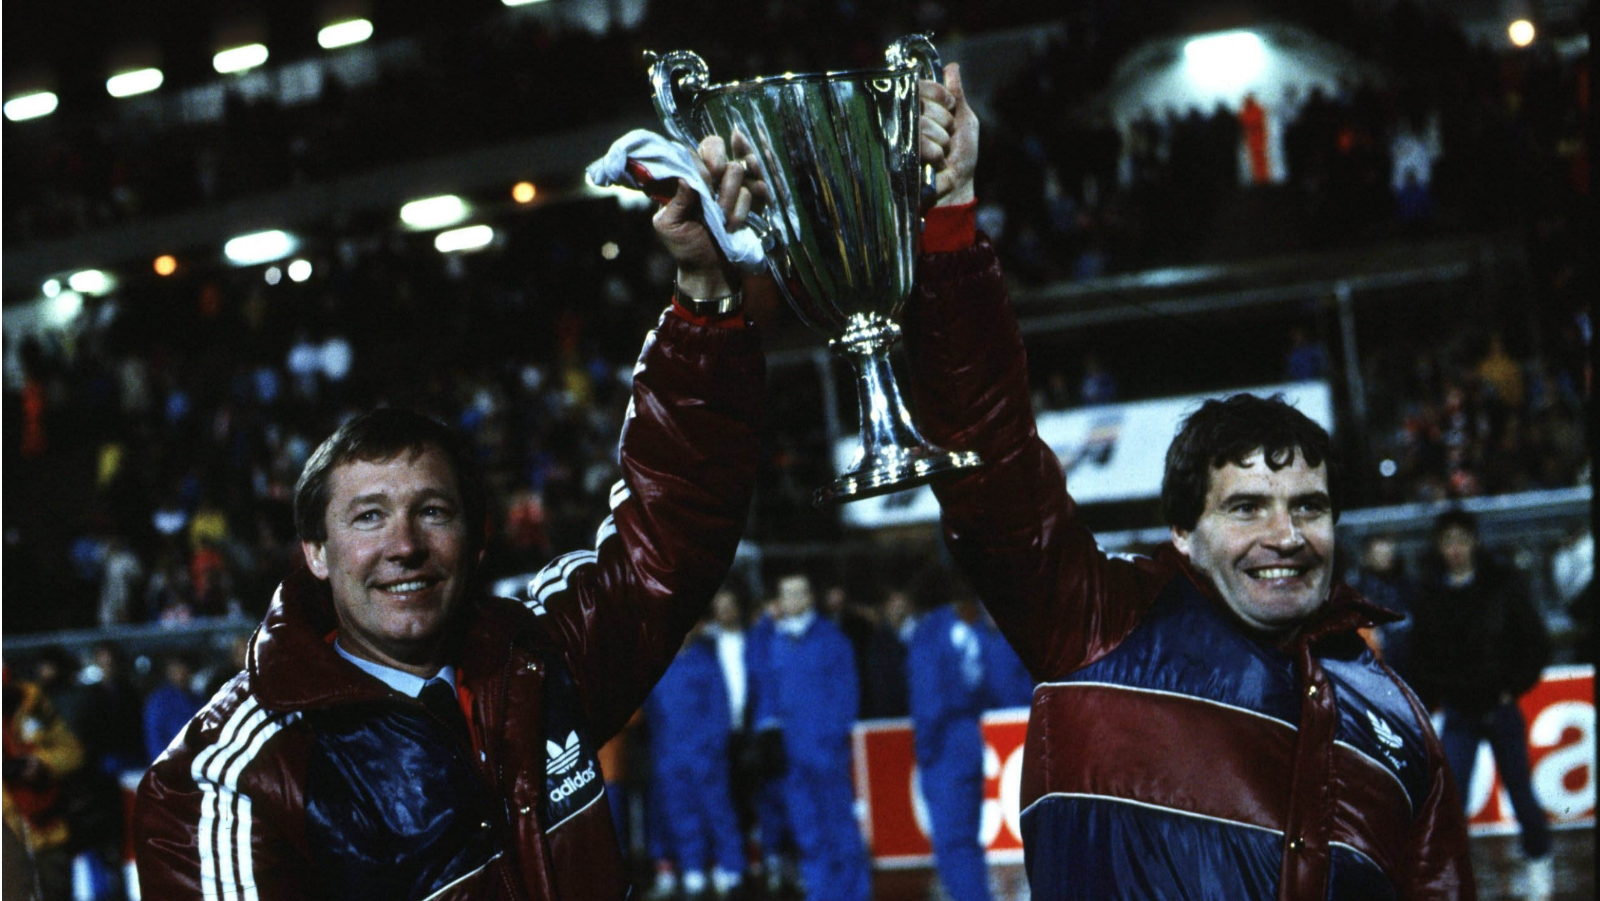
(571, 784)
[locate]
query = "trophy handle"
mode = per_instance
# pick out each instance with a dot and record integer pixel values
(680, 70)
(918, 50)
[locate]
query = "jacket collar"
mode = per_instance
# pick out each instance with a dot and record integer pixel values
(292, 664)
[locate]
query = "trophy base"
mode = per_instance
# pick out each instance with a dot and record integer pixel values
(885, 476)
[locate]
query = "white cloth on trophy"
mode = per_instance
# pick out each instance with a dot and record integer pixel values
(641, 157)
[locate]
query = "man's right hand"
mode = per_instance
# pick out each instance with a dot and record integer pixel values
(737, 181)
(948, 137)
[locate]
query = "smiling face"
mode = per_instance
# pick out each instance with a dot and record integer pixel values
(397, 557)
(1265, 539)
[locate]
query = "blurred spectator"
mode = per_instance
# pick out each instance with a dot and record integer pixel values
(18, 880)
(55, 672)
(727, 632)
(815, 698)
(946, 673)
(121, 578)
(114, 736)
(1307, 360)
(688, 716)
(169, 707)
(1477, 647)
(887, 693)
(1572, 573)
(1501, 373)
(169, 595)
(1007, 683)
(857, 623)
(767, 759)
(40, 753)
(622, 786)
(1099, 386)
(1253, 124)
(90, 799)
(1382, 580)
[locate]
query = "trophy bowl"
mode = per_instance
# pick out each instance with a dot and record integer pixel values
(839, 151)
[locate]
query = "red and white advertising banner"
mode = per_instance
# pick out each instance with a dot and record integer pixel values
(1561, 749)
(1560, 716)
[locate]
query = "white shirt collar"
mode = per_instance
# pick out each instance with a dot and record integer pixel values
(399, 680)
(796, 626)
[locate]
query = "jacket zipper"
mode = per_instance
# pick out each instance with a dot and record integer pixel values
(499, 781)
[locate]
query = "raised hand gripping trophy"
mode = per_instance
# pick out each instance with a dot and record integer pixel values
(840, 154)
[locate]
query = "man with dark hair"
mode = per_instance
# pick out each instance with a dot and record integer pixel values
(1211, 724)
(1479, 645)
(400, 734)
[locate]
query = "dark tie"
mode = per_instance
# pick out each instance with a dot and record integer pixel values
(440, 699)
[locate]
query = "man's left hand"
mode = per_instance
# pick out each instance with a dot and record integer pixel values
(948, 137)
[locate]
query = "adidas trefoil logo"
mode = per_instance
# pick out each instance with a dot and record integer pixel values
(562, 759)
(1388, 740)
(1384, 732)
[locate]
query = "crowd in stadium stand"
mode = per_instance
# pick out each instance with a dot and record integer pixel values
(1506, 130)
(504, 78)
(171, 430)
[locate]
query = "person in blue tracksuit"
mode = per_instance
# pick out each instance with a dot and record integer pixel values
(814, 696)
(1006, 680)
(948, 696)
(689, 720)
(766, 754)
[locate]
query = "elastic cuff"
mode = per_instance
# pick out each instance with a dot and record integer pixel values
(734, 320)
(950, 228)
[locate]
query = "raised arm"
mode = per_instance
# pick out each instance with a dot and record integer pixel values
(1058, 600)
(688, 455)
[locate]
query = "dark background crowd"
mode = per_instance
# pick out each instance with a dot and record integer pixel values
(150, 451)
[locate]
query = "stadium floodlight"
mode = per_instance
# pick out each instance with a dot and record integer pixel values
(1228, 59)
(343, 34)
(259, 247)
(238, 59)
(30, 106)
(472, 237)
(138, 81)
(90, 281)
(434, 212)
(1521, 32)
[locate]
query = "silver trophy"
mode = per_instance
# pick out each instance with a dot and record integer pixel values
(839, 150)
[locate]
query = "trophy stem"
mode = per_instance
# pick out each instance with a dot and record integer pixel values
(893, 455)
